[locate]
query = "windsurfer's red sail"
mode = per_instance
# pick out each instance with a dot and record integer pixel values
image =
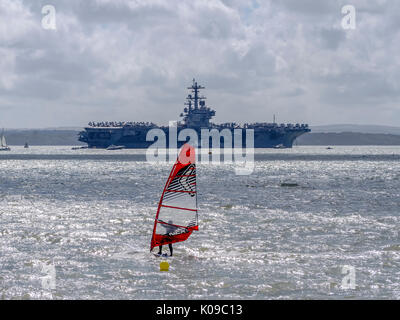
(176, 216)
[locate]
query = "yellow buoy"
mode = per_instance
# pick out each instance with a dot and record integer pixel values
(164, 266)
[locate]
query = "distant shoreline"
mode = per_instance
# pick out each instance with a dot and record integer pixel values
(348, 139)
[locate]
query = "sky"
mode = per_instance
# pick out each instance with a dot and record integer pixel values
(305, 61)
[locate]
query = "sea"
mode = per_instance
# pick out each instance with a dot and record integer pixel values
(309, 222)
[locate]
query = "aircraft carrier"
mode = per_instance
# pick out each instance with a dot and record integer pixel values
(196, 115)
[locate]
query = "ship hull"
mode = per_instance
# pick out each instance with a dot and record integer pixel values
(135, 138)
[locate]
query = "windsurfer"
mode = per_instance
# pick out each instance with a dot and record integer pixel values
(170, 230)
(178, 202)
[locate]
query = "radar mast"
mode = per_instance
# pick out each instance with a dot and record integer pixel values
(197, 115)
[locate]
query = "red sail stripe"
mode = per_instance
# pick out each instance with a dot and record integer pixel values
(163, 205)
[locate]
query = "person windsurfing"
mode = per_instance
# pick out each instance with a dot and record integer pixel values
(170, 230)
(178, 203)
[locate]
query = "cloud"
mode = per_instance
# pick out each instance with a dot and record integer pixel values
(133, 59)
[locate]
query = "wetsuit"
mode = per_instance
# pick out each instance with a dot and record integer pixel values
(170, 229)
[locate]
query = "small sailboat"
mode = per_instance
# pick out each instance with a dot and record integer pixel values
(78, 148)
(3, 143)
(113, 147)
(177, 215)
(26, 145)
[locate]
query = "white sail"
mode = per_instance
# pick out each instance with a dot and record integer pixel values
(3, 141)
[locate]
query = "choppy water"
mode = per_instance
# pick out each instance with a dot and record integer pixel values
(285, 231)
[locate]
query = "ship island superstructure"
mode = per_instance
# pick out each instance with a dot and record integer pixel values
(196, 115)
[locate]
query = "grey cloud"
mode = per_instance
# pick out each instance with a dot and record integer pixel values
(308, 7)
(331, 38)
(132, 60)
(358, 88)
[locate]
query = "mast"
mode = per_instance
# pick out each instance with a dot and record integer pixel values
(197, 115)
(195, 89)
